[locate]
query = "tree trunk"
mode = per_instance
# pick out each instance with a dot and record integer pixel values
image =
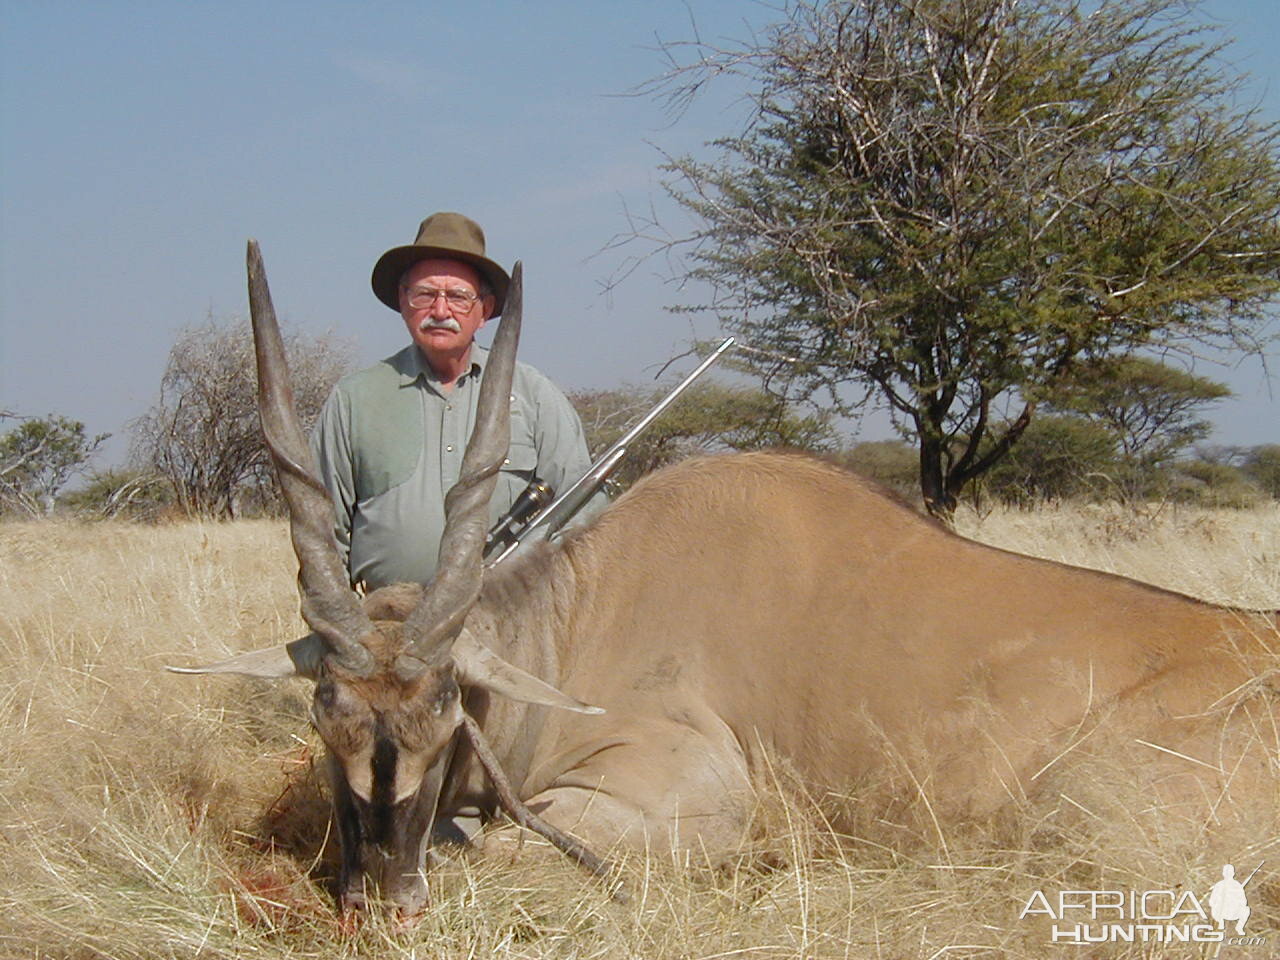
(938, 500)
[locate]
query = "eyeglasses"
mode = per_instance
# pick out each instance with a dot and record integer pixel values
(459, 301)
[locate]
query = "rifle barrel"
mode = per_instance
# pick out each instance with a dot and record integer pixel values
(571, 501)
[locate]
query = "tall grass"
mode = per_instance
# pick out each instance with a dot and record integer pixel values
(1224, 556)
(148, 815)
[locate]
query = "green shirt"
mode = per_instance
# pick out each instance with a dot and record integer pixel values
(389, 444)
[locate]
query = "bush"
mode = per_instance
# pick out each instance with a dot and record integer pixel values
(1262, 466)
(123, 494)
(1058, 457)
(1209, 484)
(710, 416)
(892, 463)
(203, 434)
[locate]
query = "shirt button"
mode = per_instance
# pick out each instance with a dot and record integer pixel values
(449, 448)
(448, 406)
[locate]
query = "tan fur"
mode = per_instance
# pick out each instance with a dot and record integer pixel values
(732, 609)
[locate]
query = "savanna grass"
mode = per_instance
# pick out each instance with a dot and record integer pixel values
(148, 815)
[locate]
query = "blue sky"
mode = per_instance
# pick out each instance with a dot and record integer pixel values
(141, 143)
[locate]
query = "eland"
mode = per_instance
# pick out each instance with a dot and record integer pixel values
(629, 682)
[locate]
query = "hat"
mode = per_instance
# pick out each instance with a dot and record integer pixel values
(448, 235)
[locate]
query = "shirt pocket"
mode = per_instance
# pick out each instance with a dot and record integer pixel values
(521, 460)
(387, 438)
(518, 468)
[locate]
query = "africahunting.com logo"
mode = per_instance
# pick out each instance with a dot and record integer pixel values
(1085, 917)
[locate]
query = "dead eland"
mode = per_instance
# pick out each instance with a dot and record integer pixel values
(629, 682)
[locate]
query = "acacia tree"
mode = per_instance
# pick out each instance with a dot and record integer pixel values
(945, 205)
(1112, 425)
(1150, 408)
(38, 458)
(203, 435)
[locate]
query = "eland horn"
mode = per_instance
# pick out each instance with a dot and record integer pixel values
(437, 620)
(329, 606)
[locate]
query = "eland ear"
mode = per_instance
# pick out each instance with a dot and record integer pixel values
(301, 658)
(481, 667)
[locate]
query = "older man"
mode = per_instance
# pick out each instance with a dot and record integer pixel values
(390, 439)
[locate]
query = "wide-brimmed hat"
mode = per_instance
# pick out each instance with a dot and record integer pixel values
(449, 235)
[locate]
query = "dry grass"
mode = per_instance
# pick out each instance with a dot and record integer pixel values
(144, 814)
(1224, 556)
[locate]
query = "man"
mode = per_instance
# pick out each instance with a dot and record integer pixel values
(1228, 901)
(390, 439)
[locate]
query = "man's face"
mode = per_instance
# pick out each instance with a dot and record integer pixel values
(441, 328)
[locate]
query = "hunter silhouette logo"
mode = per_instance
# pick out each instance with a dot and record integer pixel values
(1228, 901)
(1177, 915)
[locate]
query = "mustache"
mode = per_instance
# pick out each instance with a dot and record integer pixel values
(433, 323)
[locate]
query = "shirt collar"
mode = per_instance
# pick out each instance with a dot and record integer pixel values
(410, 364)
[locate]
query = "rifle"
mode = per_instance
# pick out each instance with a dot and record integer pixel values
(562, 509)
